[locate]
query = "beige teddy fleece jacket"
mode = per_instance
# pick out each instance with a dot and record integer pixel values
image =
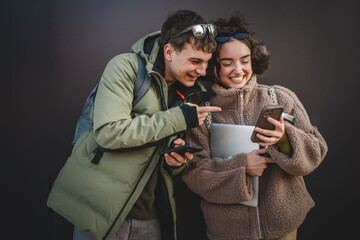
(222, 183)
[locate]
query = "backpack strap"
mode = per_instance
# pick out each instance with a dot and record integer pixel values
(273, 96)
(142, 81)
(208, 118)
(287, 117)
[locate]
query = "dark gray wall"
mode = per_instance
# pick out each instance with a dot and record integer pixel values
(54, 52)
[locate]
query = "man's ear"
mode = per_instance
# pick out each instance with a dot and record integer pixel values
(168, 52)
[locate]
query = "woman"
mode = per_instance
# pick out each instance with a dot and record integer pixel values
(295, 149)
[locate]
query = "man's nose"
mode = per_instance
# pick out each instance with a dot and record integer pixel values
(201, 70)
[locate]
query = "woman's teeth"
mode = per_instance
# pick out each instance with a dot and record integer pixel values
(236, 79)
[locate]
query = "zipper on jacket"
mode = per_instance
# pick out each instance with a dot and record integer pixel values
(159, 81)
(242, 121)
(132, 192)
(258, 222)
(164, 101)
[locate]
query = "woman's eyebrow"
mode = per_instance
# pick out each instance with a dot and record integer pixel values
(226, 59)
(229, 59)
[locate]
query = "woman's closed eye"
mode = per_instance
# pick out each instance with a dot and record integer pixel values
(226, 63)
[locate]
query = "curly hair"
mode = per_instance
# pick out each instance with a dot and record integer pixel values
(260, 56)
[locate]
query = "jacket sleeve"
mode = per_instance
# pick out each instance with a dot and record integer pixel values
(309, 147)
(222, 181)
(114, 127)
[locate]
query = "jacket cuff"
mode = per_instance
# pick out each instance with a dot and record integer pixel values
(190, 115)
(173, 170)
(167, 167)
(284, 145)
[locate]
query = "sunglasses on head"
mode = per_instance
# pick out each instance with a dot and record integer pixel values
(225, 36)
(198, 30)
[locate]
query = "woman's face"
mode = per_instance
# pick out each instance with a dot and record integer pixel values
(235, 64)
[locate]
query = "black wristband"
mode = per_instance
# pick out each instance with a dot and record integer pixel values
(190, 115)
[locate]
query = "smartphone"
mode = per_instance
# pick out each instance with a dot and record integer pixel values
(183, 149)
(273, 111)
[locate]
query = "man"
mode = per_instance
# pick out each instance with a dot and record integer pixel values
(128, 193)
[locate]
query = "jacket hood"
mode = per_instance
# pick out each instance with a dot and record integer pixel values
(148, 47)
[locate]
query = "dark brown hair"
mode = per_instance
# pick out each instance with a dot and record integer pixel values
(177, 22)
(260, 57)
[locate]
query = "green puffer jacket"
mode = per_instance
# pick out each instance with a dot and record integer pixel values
(97, 197)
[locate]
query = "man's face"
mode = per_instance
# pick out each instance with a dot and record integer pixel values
(185, 66)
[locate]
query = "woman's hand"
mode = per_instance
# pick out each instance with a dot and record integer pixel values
(256, 164)
(271, 136)
(174, 159)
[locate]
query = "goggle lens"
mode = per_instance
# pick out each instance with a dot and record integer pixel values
(240, 35)
(226, 37)
(212, 29)
(199, 30)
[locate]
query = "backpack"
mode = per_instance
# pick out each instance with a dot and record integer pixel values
(141, 86)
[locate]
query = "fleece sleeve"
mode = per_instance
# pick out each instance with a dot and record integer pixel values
(222, 181)
(308, 145)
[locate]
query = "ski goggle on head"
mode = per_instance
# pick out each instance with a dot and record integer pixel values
(198, 30)
(225, 36)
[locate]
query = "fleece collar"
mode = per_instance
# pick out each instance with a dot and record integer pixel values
(228, 98)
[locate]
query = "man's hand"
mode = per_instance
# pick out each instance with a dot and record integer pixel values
(202, 112)
(174, 159)
(256, 164)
